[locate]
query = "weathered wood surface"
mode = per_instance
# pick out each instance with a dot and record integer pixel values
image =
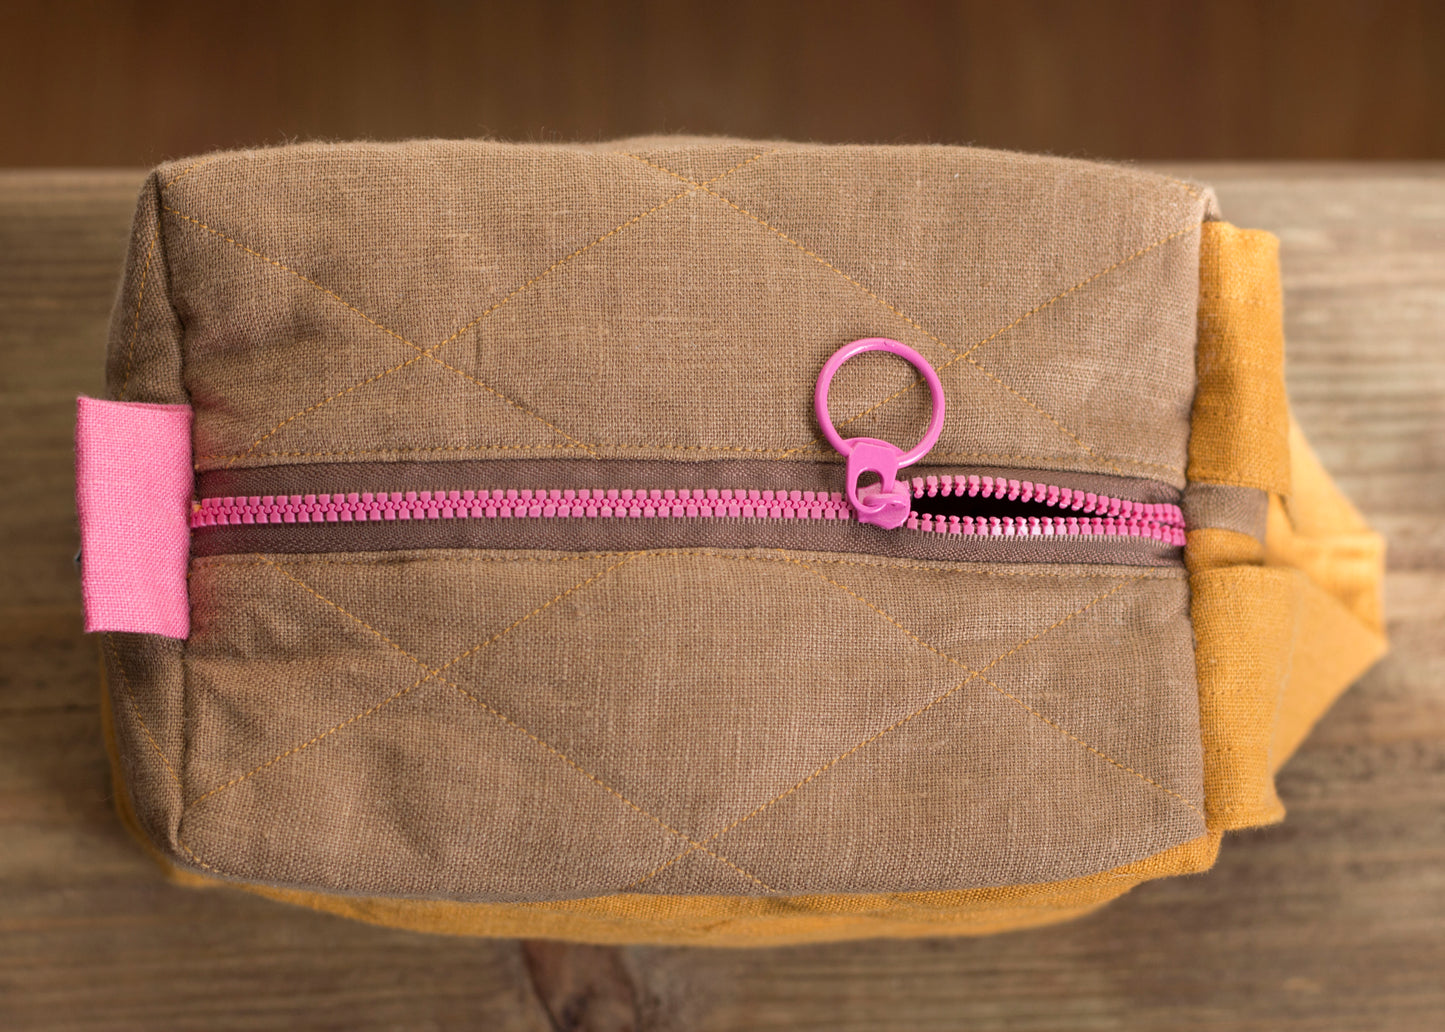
(1333, 921)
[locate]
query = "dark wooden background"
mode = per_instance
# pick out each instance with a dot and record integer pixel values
(130, 83)
(1332, 922)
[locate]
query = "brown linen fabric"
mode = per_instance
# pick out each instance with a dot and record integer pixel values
(661, 298)
(532, 725)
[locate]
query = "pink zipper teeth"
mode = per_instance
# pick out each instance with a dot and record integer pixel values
(1101, 516)
(514, 503)
(1085, 502)
(1044, 527)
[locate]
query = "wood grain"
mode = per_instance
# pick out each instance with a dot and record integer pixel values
(108, 83)
(1332, 921)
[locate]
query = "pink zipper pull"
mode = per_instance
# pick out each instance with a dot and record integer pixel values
(887, 503)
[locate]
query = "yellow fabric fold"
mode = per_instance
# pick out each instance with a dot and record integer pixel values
(1277, 640)
(764, 921)
(1244, 625)
(1339, 564)
(1239, 432)
(1284, 626)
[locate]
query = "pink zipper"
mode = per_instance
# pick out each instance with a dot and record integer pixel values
(1100, 515)
(1088, 514)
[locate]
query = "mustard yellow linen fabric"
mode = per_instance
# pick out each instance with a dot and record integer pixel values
(1239, 430)
(1282, 627)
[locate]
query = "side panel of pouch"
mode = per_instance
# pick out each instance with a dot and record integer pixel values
(1264, 616)
(133, 456)
(1238, 457)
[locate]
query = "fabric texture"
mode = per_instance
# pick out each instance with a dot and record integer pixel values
(563, 725)
(508, 744)
(668, 298)
(133, 501)
(1238, 436)
(1284, 625)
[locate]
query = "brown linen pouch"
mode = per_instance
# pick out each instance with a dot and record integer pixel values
(725, 732)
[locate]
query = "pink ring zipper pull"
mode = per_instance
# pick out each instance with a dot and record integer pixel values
(887, 503)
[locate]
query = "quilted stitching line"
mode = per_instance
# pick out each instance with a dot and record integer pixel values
(817, 442)
(771, 452)
(965, 356)
(1004, 692)
(626, 556)
(198, 861)
(188, 170)
(286, 268)
(1188, 188)
(421, 352)
(877, 735)
(512, 723)
(811, 254)
(404, 691)
(1167, 238)
(503, 717)
(432, 351)
(706, 182)
(135, 708)
(608, 788)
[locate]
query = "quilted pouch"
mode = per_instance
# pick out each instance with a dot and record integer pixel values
(701, 540)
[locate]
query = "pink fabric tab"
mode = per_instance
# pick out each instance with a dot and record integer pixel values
(133, 488)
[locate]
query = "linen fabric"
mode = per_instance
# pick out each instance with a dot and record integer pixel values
(713, 745)
(668, 298)
(133, 500)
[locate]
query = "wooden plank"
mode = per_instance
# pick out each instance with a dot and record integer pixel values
(1330, 921)
(583, 987)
